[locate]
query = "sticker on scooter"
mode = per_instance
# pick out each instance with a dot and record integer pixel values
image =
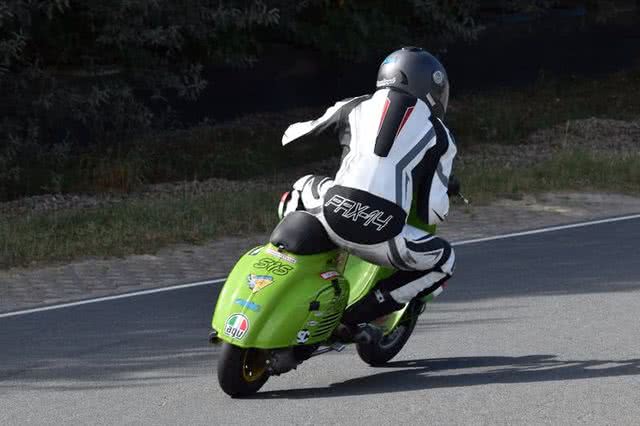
(274, 266)
(249, 305)
(236, 326)
(258, 282)
(255, 251)
(282, 256)
(329, 275)
(303, 336)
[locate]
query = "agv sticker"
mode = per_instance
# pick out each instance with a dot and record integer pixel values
(236, 326)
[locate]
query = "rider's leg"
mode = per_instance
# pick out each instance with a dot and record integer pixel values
(424, 263)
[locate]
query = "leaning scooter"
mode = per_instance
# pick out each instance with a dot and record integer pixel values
(283, 300)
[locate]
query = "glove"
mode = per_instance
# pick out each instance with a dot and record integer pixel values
(453, 189)
(290, 202)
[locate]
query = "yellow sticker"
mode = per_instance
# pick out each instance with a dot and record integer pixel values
(258, 282)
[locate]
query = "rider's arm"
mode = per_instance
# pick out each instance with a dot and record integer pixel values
(332, 120)
(432, 193)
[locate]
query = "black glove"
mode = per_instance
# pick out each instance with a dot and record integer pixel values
(453, 188)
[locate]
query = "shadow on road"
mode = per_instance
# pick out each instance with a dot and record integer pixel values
(133, 352)
(122, 343)
(133, 360)
(465, 371)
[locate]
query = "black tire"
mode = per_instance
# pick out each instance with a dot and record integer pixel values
(392, 343)
(234, 374)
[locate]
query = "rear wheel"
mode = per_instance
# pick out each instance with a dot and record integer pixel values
(242, 371)
(392, 343)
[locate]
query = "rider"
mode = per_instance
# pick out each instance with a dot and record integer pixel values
(395, 148)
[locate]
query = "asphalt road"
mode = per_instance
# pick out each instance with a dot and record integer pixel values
(539, 329)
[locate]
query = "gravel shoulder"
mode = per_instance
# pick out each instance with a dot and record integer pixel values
(94, 277)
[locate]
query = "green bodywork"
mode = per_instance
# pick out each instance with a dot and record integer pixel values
(296, 299)
(276, 299)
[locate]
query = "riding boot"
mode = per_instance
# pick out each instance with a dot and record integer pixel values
(354, 325)
(374, 305)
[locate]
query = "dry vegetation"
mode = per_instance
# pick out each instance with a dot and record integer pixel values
(582, 153)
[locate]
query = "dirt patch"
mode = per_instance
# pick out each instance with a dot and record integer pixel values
(594, 135)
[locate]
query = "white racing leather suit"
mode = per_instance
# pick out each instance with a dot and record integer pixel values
(394, 150)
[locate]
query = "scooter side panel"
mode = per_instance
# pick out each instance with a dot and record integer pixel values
(274, 299)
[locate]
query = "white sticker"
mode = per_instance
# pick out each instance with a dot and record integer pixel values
(255, 251)
(385, 82)
(312, 323)
(303, 336)
(282, 256)
(236, 326)
(329, 274)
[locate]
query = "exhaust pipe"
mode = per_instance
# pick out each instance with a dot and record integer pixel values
(213, 337)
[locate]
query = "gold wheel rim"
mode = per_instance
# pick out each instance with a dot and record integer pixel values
(254, 365)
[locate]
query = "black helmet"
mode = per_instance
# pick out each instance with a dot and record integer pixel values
(417, 72)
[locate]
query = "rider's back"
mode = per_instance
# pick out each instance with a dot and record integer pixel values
(389, 135)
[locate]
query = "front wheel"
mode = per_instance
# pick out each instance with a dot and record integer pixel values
(242, 371)
(392, 343)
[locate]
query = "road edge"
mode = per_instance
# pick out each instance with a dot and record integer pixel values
(219, 280)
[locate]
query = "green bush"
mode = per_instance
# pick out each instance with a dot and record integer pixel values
(79, 73)
(81, 79)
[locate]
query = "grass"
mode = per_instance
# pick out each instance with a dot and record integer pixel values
(134, 226)
(568, 170)
(145, 226)
(244, 149)
(249, 147)
(509, 115)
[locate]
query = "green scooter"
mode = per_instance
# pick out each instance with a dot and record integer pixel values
(280, 307)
